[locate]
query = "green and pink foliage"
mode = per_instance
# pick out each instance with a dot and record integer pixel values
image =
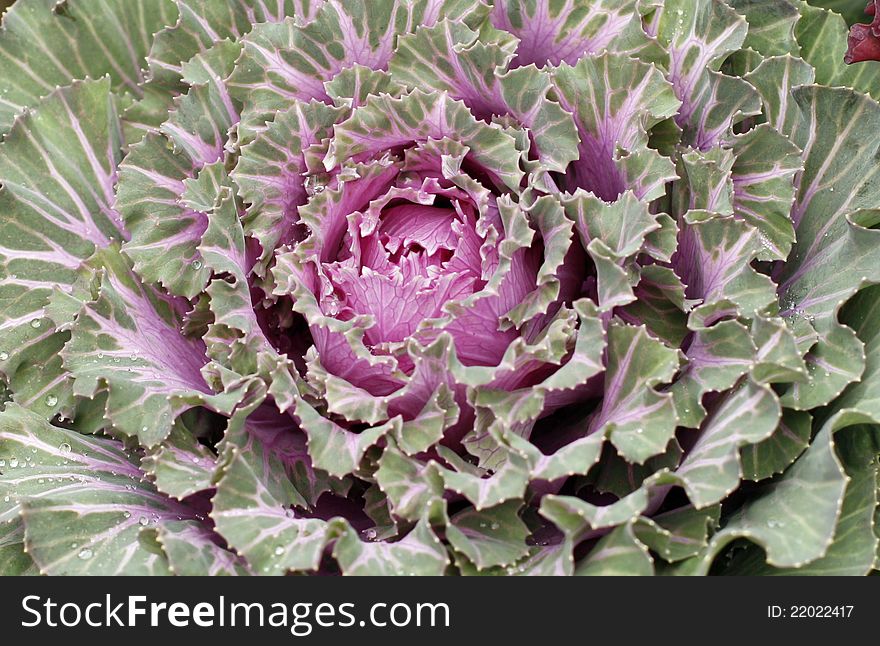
(437, 287)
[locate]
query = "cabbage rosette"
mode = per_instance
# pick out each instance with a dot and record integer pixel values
(437, 287)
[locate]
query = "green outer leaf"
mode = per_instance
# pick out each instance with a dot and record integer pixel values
(778, 358)
(180, 466)
(613, 234)
(165, 233)
(717, 357)
(717, 267)
(191, 554)
(619, 553)
(333, 448)
(269, 172)
(87, 485)
(234, 338)
(774, 79)
(418, 553)
(639, 420)
(57, 168)
(794, 517)
(15, 562)
(45, 44)
(408, 484)
(711, 470)
(855, 544)
(773, 454)
(576, 518)
(489, 538)
(451, 57)
(700, 34)
(385, 122)
(613, 89)
(127, 341)
(765, 163)
(252, 508)
(288, 61)
(851, 10)
(771, 25)
(834, 254)
(201, 23)
(677, 534)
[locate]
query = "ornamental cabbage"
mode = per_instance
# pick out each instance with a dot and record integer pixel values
(437, 287)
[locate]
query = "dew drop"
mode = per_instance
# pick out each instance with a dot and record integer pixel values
(2, 463)
(126, 514)
(314, 185)
(196, 264)
(143, 521)
(36, 323)
(3, 356)
(144, 429)
(13, 462)
(51, 400)
(85, 555)
(279, 551)
(64, 447)
(332, 307)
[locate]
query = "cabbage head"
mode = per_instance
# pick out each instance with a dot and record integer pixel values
(515, 287)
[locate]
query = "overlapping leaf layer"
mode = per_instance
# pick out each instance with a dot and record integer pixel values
(437, 287)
